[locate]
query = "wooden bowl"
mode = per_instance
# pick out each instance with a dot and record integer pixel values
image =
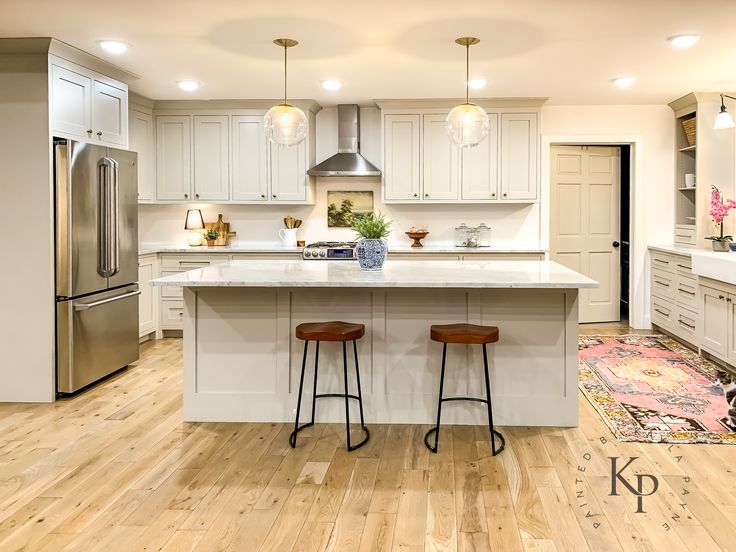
(417, 237)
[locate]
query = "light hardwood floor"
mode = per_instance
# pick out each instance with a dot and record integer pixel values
(116, 469)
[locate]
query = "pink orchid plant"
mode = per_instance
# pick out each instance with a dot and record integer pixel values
(719, 210)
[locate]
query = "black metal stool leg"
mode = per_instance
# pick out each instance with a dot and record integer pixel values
(292, 437)
(314, 390)
(489, 404)
(360, 399)
(347, 402)
(436, 429)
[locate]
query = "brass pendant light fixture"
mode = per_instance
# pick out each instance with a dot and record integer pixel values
(285, 125)
(467, 124)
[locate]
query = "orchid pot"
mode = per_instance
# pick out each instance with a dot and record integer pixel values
(719, 209)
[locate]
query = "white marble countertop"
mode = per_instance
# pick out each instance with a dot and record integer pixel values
(277, 247)
(402, 274)
(715, 265)
(675, 249)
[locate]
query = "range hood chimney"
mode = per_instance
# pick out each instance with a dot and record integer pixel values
(347, 161)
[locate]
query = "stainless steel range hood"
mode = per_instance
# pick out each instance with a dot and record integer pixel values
(347, 161)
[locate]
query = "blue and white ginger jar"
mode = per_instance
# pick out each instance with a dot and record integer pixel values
(371, 253)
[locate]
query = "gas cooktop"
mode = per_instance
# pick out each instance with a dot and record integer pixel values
(327, 251)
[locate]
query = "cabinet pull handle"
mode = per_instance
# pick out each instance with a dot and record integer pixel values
(186, 196)
(493, 195)
(89, 131)
(661, 261)
(685, 267)
(196, 195)
(426, 195)
(721, 297)
(263, 196)
(505, 194)
(683, 323)
(193, 262)
(662, 312)
(416, 195)
(274, 196)
(686, 291)
(99, 134)
(661, 283)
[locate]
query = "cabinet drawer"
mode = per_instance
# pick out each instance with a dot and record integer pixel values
(685, 235)
(684, 265)
(171, 292)
(189, 262)
(686, 291)
(172, 313)
(662, 261)
(266, 256)
(663, 284)
(663, 313)
(686, 325)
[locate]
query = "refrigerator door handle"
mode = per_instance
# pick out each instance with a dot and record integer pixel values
(107, 218)
(86, 306)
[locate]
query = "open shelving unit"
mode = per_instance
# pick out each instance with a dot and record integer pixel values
(685, 163)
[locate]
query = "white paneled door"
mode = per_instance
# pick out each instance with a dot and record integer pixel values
(585, 223)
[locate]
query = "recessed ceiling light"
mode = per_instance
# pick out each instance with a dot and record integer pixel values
(475, 84)
(684, 41)
(188, 85)
(331, 84)
(114, 46)
(624, 82)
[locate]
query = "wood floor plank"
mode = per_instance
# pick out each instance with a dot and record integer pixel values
(411, 521)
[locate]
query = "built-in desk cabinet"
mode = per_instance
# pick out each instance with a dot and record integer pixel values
(420, 163)
(86, 105)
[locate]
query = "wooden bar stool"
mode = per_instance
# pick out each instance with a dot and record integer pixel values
(467, 334)
(330, 331)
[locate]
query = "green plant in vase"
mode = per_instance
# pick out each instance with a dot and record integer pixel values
(372, 248)
(211, 235)
(719, 211)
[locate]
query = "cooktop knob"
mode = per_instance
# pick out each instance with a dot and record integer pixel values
(322, 253)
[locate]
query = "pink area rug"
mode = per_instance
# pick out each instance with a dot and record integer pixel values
(651, 389)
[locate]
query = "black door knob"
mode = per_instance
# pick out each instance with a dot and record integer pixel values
(615, 244)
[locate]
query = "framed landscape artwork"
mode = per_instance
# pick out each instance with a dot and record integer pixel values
(344, 208)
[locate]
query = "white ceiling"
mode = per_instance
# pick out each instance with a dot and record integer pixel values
(567, 50)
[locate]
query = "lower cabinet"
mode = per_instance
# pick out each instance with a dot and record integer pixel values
(674, 305)
(718, 324)
(148, 299)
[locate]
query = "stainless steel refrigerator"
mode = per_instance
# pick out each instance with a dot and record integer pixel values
(96, 262)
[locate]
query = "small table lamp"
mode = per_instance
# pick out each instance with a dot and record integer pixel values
(194, 222)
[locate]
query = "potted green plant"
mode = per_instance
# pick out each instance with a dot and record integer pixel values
(371, 248)
(719, 211)
(211, 235)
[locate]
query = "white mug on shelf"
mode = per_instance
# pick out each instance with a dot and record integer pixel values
(288, 236)
(689, 180)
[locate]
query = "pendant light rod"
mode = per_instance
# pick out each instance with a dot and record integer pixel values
(285, 43)
(467, 41)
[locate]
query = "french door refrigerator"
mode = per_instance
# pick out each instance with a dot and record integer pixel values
(96, 262)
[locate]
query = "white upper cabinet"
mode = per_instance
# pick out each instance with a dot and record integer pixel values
(519, 156)
(109, 113)
(479, 174)
(71, 102)
(211, 165)
(88, 106)
(173, 157)
(401, 167)
(441, 160)
(288, 172)
(249, 159)
(141, 141)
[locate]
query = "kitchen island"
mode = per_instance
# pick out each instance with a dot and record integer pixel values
(242, 361)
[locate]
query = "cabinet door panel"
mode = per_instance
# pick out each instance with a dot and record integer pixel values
(519, 156)
(141, 141)
(288, 173)
(70, 102)
(731, 302)
(109, 114)
(249, 159)
(714, 320)
(173, 157)
(480, 166)
(146, 304)
(211, 172)
(401, 159)
(441, 166)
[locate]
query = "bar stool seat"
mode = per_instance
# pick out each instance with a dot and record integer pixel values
(469, 334)
(331, 331)
(465, 334)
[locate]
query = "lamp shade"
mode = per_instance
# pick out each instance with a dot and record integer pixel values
(724, 120)
(467, 125)
(285, 125)
(194, 220)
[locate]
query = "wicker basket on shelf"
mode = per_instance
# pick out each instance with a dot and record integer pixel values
(689, 126)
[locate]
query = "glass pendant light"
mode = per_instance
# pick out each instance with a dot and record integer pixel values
(285, 124)
(467, 124)
(724, 119)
